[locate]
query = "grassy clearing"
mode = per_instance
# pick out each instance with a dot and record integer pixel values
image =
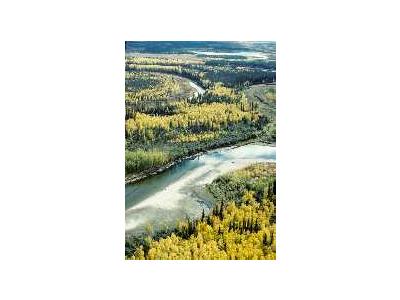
(139, 160)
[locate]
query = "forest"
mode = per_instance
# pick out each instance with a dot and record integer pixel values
(167, 120)
(241, 224)
(184, 100)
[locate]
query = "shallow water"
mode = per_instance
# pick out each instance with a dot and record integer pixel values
(163, 199)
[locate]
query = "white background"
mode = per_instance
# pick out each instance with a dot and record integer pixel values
(62, 149)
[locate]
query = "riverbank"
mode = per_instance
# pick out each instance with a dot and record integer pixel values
(133, 178)
(259, 178)
(176, 193)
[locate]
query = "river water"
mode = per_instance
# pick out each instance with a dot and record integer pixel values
(199, 89)
(250, 54)
(178, 192)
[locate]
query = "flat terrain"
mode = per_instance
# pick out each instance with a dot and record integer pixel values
(185, 103)
(180, 104)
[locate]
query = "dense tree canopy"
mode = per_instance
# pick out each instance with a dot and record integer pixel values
(178, 104)
(165, 115)
(242, 224)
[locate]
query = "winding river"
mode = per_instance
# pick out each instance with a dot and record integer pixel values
(178, 192)
(199, 89)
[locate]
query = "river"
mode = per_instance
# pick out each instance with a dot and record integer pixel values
(165, 198)
(250, 54)
(199, 89)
